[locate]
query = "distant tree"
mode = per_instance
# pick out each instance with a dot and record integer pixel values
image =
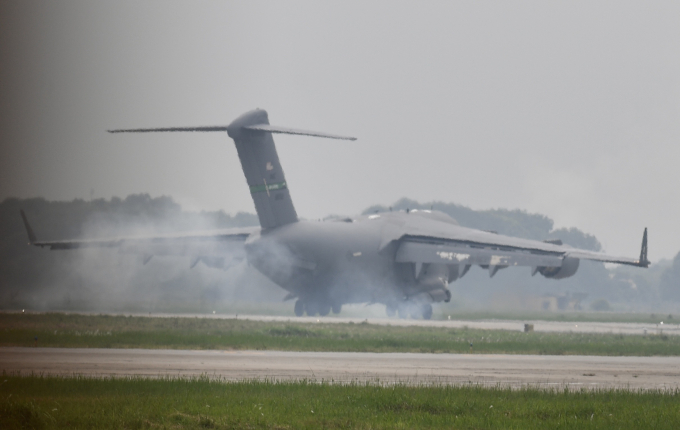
(600, 305)
(576, 238)
(510, 222)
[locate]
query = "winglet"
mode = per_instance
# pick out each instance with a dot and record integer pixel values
(644, 262)
(31, 235)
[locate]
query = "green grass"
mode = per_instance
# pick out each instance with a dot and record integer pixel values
(441, 312)
(568, 316)
(104, 331)
(134, 403)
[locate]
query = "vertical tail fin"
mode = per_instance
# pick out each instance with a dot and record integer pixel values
(252, 134)
(644, 262)
(262, 169)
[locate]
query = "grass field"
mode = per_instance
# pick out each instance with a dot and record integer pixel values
(104, 331)
(52, 402)
(442, 311)
(570, 316)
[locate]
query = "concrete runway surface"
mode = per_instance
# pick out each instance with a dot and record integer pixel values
(488, 370)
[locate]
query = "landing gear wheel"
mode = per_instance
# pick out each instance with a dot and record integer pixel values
(299, 308)
(337, 307)
(311, 308)
(426, 311)
(324, 309)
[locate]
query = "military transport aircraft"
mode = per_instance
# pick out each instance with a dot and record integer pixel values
(403, 259)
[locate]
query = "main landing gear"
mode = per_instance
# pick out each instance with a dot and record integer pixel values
(426, 311)
(299, 308)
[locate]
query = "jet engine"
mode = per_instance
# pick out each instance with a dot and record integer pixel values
(433, 279)
(568, 268)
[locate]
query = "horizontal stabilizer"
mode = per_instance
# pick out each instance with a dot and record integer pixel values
(153, 130)
(283, 130)
(256, 127)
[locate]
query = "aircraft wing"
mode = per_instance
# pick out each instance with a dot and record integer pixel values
(418, 250)
(215, 248)
(430, 241)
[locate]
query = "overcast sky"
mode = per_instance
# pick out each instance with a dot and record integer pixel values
(570, 109)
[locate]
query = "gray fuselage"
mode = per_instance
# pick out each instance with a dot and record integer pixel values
(336, 261)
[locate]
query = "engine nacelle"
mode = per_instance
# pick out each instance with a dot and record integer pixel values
(568, 268)
(432, 296)
(432, 280)
(433, 276)
(443, 295)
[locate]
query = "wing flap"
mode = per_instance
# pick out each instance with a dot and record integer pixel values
(449, 254)
(596, 256)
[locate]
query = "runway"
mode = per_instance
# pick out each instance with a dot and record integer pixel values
(488, 370)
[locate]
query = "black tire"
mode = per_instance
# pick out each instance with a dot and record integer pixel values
(311, 308)
(336, 308)
(299, 308)
(324, 309)
(426, 311)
